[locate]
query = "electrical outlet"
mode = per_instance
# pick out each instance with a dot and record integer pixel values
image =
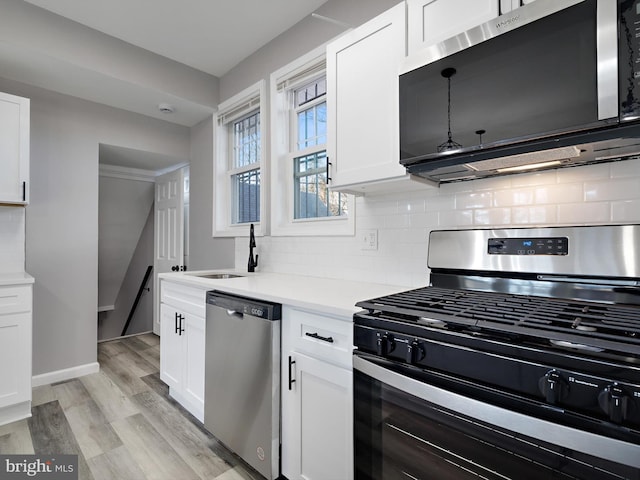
(369, 239)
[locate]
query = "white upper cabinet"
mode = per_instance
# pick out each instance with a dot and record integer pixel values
(362, 103)
(508, 5)
(431, 21)
(14, 149)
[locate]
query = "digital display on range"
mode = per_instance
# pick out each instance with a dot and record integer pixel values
(529, 246)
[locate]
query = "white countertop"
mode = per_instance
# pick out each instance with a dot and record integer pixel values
(323, 295)
(15, 278)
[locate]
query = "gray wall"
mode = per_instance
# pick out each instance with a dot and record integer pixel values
(298, 40)
(111, 323)
(123, 208)
(205, 252)
(62, 218)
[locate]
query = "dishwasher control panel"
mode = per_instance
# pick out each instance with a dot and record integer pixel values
(245, 305)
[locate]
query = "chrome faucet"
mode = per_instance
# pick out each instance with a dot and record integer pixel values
(253, 263)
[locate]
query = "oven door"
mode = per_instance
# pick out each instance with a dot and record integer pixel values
(408, 429)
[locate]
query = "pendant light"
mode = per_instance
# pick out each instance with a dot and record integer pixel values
(450, 146)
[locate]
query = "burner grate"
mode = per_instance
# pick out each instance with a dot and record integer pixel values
(602, 326)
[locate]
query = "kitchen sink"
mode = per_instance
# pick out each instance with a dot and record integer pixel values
(217, 275)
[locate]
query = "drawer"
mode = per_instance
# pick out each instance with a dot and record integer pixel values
(15, 299)
(324, 337)
(186, 298)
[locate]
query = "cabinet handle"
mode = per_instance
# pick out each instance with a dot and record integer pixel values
(291, 380)
(328, 172)
(176, 323)
(319, 337)
(181, 319)
(24, 191)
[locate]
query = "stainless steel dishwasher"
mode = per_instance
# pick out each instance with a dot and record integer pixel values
(242, 378)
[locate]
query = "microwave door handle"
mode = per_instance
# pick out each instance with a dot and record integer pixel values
(607, 59)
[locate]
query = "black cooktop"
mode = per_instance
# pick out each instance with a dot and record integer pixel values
(572, 324)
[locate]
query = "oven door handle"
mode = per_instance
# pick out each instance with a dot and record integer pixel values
(586, 442)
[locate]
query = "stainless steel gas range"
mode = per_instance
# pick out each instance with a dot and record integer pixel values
(520, 360)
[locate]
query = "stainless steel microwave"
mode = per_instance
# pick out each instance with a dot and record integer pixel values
(554, 83)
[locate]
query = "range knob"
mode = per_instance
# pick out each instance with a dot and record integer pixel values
(414, 353)
(614, 403)
(553, 387)
(385, 344)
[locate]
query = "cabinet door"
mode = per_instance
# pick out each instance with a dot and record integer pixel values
(14, 149)
(194, 361)
(171, 348)
(317, 421)
(15, 358)
(432, 21)
(362, 102)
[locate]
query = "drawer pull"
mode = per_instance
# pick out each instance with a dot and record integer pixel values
(319, 337)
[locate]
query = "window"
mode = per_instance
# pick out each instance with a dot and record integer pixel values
(245, 168)
(312, 197)
(302, 200)
(239, 164)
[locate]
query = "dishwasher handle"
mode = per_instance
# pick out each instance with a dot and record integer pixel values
(234, 313)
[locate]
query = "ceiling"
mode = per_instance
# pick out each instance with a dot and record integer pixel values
(138, 54)
(142, 160)
(209, 35)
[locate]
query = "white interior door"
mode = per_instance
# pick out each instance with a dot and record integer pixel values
(169, 232)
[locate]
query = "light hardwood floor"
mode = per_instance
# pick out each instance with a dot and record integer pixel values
(122, 423)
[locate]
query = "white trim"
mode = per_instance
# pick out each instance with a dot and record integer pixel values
(127, 173)
(139, 174)
(106, 308)
(282, 221)
(222, 211)
(65, 374)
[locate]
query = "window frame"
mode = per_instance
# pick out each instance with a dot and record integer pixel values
(239, 106)
(283, 83)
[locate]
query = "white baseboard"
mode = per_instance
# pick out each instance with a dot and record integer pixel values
(64, 374)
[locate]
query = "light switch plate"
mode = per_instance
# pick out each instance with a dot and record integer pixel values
(369, 239)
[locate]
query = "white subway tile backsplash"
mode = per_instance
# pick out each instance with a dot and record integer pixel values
(626, 212)
(626, 168)
(594, 194)
(557, 194)
(441, 203)
(474, 200)
(583, 173)
(584, 213)
(397, 221)
(513, 197)
(492, 216)
(456, 218)
(537, 215)
(614, 189)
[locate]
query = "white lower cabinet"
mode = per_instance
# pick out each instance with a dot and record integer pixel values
(15, 352)
(182, 344)
(317, 393)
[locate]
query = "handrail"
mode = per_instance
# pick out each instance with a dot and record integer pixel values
(135, 303)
